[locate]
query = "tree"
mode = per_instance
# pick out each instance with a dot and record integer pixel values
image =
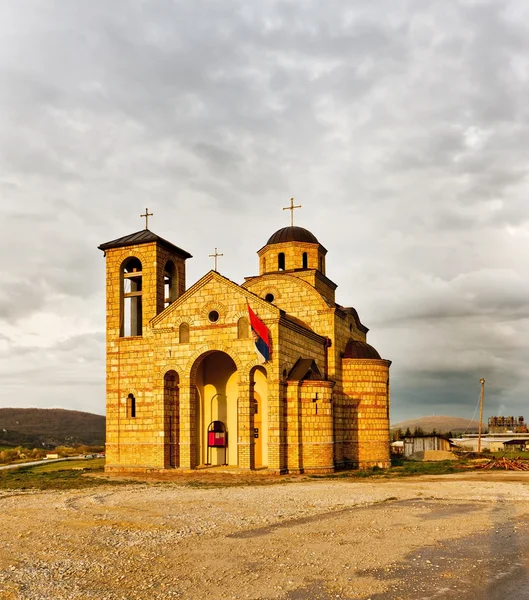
(407, 433)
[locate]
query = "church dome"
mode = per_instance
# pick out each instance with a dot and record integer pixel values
(356, 349)
(292, 234)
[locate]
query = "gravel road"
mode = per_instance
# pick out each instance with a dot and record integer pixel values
(452, 536)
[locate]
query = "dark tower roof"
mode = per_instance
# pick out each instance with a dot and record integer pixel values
(145, 236)
(292, 234)
(356, 349)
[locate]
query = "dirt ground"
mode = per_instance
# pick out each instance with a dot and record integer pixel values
(451, 536)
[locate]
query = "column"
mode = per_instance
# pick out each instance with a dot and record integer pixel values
(188, 448)
(245, 442)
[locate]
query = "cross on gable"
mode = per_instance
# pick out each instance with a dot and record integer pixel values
(215, 256)
(291, 208)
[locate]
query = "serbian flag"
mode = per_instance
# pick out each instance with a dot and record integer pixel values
(260, 336)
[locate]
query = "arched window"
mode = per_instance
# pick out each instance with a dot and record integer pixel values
(131, 296)
(169, 281)
(281, 261)
(263, 263)
(183, 333)
(243, 329)
(305, 261)
(131, 406)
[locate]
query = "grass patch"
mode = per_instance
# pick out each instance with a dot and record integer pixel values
(69, 475)
(55, 476)
(405, 468)
(510, 455)
(71, 465)
(429, 468)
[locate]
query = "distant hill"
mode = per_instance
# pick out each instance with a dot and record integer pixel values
(50, 427)
(439, 423)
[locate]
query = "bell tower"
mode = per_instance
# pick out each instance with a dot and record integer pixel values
(145, 273)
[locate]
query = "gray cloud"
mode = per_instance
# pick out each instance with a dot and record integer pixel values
(69, 373)
(400, 126)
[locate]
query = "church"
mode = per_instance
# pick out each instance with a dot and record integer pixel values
(268, 374)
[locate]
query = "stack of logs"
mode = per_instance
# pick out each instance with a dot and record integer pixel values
(516, 464)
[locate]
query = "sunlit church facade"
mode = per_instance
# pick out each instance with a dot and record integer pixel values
(186, 389)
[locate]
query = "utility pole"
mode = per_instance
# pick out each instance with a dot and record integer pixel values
(481, 398)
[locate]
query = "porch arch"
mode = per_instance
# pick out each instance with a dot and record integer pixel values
(214, 385)
(192, 363)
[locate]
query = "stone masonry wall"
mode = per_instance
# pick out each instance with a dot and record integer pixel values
(366, 388)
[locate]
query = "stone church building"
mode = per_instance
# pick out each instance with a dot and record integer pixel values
(185, 387)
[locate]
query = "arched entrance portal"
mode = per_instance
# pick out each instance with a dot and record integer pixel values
(216, 383)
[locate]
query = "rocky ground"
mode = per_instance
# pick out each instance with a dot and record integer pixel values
(452, 536)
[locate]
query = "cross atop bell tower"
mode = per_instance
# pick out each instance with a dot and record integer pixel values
(291, 208)
(146, 217)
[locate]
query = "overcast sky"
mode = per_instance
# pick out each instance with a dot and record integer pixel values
(402, 128)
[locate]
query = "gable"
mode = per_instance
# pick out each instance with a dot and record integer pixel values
(213, 293)
(287, 290)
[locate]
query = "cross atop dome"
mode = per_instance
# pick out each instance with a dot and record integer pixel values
(291, 208)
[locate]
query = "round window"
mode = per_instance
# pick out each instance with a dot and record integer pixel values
(213, 316)
(269, 297)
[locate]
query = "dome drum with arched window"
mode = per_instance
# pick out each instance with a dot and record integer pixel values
(292, 249)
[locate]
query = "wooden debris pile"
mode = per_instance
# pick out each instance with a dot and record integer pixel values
(516, 464)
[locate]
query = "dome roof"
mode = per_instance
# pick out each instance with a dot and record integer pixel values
(356, 349)
(292, 234)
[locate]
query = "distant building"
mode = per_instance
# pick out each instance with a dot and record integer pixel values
(414, 445)
(397, 447)
(516, 444)
(493, 442)
(507, 425)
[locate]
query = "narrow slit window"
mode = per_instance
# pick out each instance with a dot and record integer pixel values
(305, 260)
(131, 406)
(281, 261)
